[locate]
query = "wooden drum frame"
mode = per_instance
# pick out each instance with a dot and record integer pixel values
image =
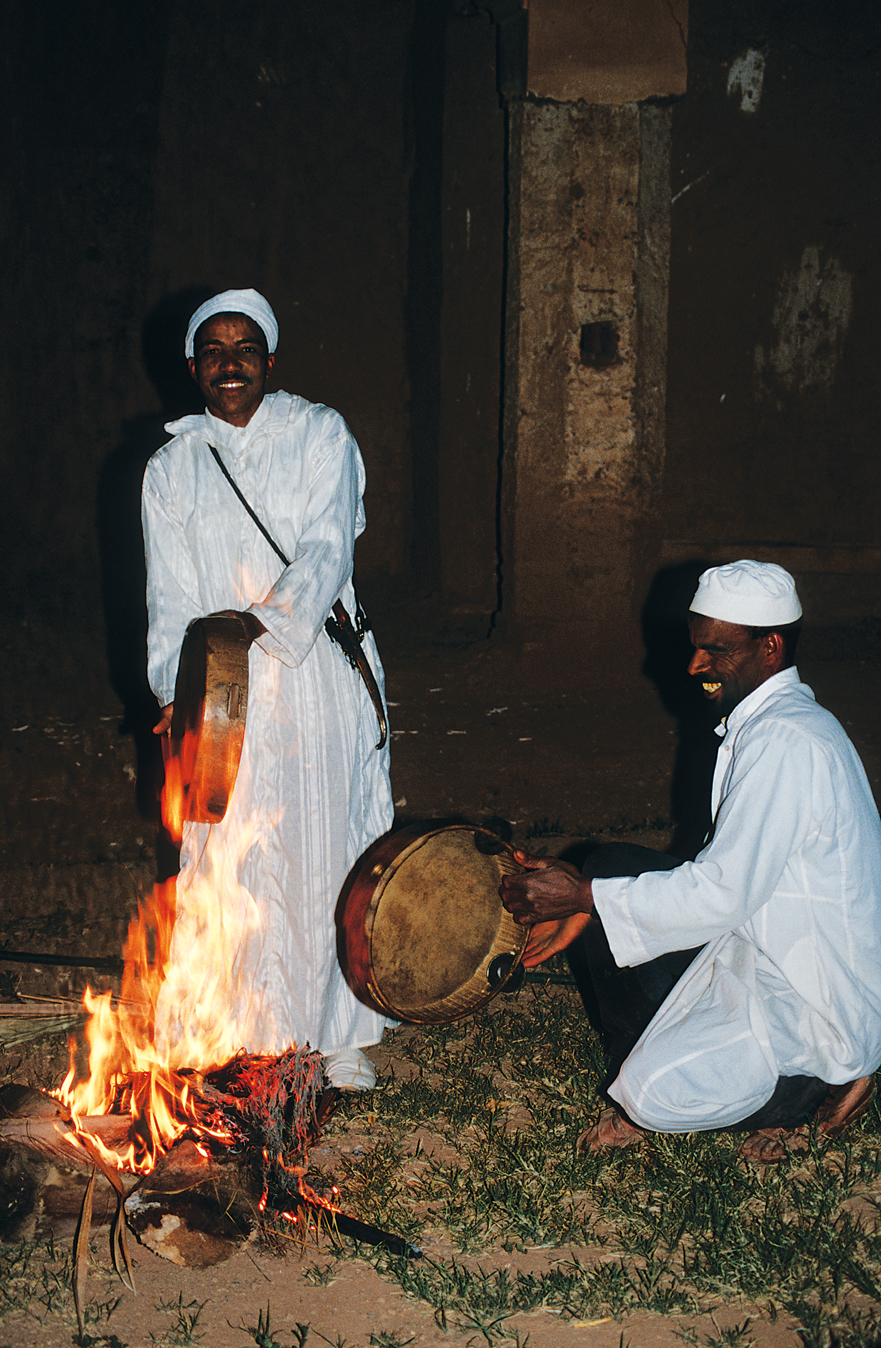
(210, 706)
(423, 936)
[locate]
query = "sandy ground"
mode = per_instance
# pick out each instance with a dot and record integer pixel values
(314, 1295)
(356, 1308)
(473, 736)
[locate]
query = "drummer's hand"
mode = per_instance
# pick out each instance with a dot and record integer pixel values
(253, 626)
(546, 891)
(163, 726)
(549, 938)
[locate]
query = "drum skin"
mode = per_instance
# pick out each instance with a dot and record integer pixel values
(210, 707)
(420, 921)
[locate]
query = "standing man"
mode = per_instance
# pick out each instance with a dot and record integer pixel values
(253, 958)
(743, 989)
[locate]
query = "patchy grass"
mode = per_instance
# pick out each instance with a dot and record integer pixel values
(472, 1149)
(467, 1147)
(35, 1282)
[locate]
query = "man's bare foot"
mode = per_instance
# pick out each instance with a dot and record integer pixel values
(773, 1144)
(844, 1105)
(610, 1130)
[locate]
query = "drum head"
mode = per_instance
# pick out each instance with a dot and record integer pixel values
(435, 923)
(210, 706)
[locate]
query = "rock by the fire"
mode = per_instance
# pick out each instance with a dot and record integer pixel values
(193, 1209)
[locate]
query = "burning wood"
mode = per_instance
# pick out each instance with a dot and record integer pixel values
(241, 1167)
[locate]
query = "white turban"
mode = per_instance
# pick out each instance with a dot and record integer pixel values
(752, 594)
(247, 302)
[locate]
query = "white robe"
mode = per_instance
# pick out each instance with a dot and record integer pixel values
(253, 960)
(787, 896)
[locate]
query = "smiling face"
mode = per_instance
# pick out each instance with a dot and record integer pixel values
(231, 366)
(729, 662)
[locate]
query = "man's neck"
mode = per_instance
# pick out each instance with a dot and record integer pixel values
(256, 417)
(238, 423)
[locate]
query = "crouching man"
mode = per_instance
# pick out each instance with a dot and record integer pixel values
(741, 990)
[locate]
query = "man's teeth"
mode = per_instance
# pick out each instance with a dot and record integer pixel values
(711, 687)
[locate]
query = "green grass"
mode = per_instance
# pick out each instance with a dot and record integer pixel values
(35, 1280)
(185, 1319)
(468, 1149)
(680, 1227)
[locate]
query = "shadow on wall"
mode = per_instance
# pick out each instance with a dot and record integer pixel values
(668, 652)
(123, 572)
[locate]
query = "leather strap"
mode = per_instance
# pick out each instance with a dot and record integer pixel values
(338, 625)
(254, 516)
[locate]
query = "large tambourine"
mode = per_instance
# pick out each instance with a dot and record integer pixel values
(210, 706)
(423, 935)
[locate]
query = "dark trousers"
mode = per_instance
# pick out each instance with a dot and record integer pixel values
(626, 1000)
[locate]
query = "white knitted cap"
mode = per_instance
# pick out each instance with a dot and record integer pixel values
(753, 594)
(247, 302)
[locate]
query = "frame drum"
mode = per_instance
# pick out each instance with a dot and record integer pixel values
(208, 721)
(422, 932)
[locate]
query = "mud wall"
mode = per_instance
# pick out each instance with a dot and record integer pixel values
(351, 161)
(574, 499)
(737, 419)
(156, 154)
(775, 296)
(586, 320)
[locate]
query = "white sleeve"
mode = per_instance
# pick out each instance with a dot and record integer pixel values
(297, 606)
(173, 598)
(763, 819)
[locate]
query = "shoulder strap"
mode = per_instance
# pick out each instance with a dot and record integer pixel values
(338, 625)
(254, 516)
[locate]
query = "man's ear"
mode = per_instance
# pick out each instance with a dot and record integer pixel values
(191, 366)
(775, 649)
(270, 363)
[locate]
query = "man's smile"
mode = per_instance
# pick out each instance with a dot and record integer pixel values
(237, 381)
(710, 688)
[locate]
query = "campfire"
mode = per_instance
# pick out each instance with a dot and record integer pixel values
(193, 1143)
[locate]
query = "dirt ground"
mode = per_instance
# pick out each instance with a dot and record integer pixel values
(356, 1308)
(475, 734)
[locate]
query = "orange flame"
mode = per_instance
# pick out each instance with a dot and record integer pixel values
(129, 1072)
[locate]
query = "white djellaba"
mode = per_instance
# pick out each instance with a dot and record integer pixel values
(253, 962)
(785, 899)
